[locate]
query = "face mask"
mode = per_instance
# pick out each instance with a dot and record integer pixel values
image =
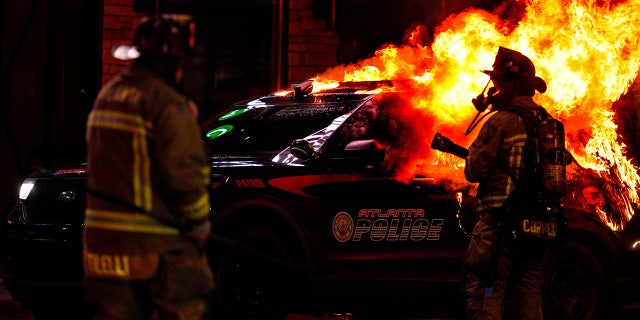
(496, 98)
(481, 102)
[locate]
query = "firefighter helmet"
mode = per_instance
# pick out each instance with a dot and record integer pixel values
(169, 35)
(511, 64)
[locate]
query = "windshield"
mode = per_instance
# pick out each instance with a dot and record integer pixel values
(268, 129)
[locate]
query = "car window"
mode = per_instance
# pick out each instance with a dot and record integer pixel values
(269, 129)
(362, 124)
(387, 118)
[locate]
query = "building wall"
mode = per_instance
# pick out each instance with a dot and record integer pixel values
(118, 22)
(65, 57)
(312, 44)
(49, 53)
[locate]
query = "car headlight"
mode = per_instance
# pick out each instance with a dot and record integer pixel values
(25, 188)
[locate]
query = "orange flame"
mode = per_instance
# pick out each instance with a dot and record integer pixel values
(587, 51)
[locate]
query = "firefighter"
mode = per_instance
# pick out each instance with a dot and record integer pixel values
(497, 264)
(147, 205)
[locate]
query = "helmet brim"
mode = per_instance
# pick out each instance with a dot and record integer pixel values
(537, 82)
(125, 52)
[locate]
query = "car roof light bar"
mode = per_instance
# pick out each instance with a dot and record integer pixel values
(302, 89)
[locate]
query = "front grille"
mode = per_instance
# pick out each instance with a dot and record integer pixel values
(57, 200)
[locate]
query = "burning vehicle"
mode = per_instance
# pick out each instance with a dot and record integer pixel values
(329, 198)
(309, 215)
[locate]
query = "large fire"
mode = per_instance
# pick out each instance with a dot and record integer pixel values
(588, 52)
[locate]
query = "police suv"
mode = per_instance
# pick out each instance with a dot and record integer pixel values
(309, 217)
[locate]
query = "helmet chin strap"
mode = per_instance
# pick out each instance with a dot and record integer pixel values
(480, 101)
(496, 101)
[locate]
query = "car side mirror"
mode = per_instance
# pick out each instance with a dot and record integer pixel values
(302, 150)
(368, 151)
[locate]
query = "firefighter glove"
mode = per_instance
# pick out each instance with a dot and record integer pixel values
(200, 232)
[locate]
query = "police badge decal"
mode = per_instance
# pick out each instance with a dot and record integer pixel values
(342, 226)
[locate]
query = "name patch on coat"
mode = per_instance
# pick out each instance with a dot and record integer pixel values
(120, 266)
(540, 229)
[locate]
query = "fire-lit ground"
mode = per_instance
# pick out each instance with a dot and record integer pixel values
(10, 310)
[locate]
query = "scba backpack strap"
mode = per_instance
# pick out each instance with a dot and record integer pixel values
(534, 207)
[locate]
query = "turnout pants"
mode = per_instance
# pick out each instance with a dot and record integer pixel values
(178, 289)
(503, 275)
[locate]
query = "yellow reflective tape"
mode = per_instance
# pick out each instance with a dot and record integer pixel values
(198, 209)
(126, 221)
(518, 138)
(146, 175)
(135, 175)
(515, 160)
(141, 173)
(120, 116)
(119, 121)
(492, 201)
(156, 229)
(118, 215)
(117, 126)
(204, 172)
(495, 198)
(119, 94)
(509, 185)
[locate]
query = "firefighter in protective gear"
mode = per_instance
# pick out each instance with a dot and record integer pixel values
(497, 265)
(148, 204)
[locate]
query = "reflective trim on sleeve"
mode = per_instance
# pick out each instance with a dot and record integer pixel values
(490, 202)
(119, 121)
(204, 173)
(197, 210)
(518, 139)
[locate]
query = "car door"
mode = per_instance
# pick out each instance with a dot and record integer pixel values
(382, 225)
(376, 223)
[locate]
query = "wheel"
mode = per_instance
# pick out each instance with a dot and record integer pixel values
(577, 286)
(254, 279)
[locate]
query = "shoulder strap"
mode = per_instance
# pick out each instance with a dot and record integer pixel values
(532, 146)
(530, 117)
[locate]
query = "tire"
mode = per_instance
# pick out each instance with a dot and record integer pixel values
(250, 285)
(576, 289)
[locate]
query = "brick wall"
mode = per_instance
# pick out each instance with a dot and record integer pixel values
(118, 23)
(313, 47)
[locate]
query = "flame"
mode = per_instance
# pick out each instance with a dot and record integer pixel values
(587, 51)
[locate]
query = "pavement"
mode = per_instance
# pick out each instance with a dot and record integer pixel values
(10, 310)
